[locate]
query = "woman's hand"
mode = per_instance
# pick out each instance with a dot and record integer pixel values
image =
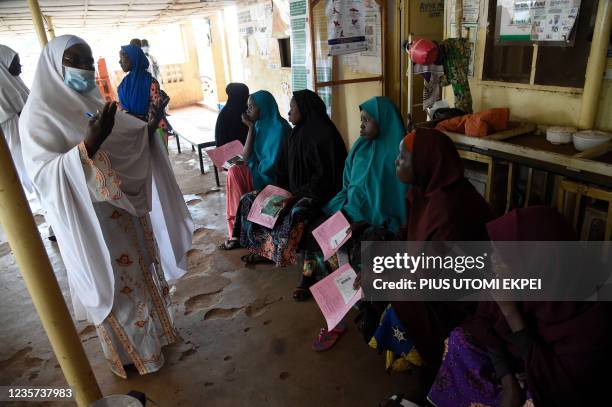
(511, 392)
(246, 121)
(100, 127)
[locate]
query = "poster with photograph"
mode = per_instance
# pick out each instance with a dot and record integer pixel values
(555, 21)
(345, 27)
(537, 20)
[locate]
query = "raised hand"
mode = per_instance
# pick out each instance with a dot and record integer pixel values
(100, 127)
(246, 121)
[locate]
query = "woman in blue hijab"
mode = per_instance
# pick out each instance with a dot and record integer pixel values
(139, 93)
(267, 129)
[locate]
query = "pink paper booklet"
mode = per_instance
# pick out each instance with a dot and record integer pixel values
(227, 152)
(332, 234)
(267, 206)
(335, 295)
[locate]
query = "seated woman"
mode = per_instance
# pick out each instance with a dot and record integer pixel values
(139, 93)
(95, 179)
(371, 195)
(560, 349)
(442, 206)
(267, 130)
(372, 199)
(309, 166)
(229, 126)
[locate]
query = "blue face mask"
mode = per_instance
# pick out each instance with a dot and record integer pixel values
(81, 80)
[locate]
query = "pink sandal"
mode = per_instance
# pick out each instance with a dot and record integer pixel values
(327, 339)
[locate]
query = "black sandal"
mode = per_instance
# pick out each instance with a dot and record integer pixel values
(252, 259)
(230, 244)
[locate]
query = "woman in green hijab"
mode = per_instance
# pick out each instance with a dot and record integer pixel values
(371, 195)
(267, 129)
(371, 192)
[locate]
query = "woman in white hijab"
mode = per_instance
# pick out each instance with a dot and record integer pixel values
(13, 96)
(99, 178)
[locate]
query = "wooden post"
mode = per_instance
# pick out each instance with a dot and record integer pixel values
(24, 239)
(596, 65)
(37, 19)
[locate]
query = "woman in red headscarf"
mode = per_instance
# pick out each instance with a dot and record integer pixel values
(558, 351)
(442, 205)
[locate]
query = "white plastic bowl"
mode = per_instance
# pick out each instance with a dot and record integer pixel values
(584, 140)
(560, 135)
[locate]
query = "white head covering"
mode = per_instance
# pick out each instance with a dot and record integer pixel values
(13, 92)
(52, 125)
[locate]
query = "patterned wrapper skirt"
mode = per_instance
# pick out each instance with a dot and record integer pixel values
(466, 377)
(279, 244)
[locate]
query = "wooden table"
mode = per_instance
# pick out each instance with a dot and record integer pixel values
(536, 152)
(198, 136)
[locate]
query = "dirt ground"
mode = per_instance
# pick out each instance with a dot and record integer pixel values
(244, 341)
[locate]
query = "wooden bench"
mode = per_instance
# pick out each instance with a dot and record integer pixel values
(197, 136)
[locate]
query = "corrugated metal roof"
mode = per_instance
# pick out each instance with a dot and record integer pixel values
(15, 15)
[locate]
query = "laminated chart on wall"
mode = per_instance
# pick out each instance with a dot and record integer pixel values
(368, 61)
(301, 77)
(345, 26)
(471, 11)
(536, 20)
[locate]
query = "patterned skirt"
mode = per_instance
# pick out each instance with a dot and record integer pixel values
(279, 244)
(139, 323)
(466, 377)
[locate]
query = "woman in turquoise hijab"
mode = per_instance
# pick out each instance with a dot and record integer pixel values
(372, 197)
(371, 192)
(267, 129)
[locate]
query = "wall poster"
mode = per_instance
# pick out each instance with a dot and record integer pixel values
(536, 20)
(345, 27)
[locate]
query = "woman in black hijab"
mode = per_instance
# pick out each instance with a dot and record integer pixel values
(310, 165)
(311, 160)
(229, 125)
